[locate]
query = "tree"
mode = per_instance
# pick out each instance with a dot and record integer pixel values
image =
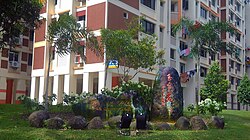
(131, 52)
(16, 15)
(243, 94)
(216, 85)
(64, 36)
(205, 36)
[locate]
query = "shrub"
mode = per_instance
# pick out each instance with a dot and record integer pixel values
(210, 106)
(29, 103)
(191, 107)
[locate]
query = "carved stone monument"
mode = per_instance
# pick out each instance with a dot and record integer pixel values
(168, 101)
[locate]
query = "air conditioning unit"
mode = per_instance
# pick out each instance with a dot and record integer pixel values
(78, 59)
(14, 64)
(81, 24)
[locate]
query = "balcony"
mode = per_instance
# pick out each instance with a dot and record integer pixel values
(174, 17)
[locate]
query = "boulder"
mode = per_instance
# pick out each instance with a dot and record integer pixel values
(55, 123)
(163, 126)
(95, 123)
(114, 122)
(77, 122)
(217, 122)
(197, 123)
(37, 118)
(182, 123)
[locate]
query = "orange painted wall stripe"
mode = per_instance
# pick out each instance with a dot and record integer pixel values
(2, 90)
(17, 92)
(209, 9)
(2, 101)
(20, 92)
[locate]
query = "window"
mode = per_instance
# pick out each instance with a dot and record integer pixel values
(212, 55)
(183, 45)
(238, 66)
(232, 63)
(238, 82)
(13, 56)
(31, 37)
(172, 32)
(238, 37)
(185, 4)
(213, 2)
(148, 27)
(231, 16)
(203, 72)
(203, 13)
(231, 2)
(172, 53)
(182, 68)
(203, 52)
(161, 29)
(237, 21)
(125, 15)
(231, 34)
(81, 18)
(232, 80)
(238, 7)
(30, 60)
(55, 2)
(149, 3)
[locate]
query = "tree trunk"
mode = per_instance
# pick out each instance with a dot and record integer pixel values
(197, 92)
(47, 83)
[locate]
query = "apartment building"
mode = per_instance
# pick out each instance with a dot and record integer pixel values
(15, 70)
(69, 74)
(233, 66)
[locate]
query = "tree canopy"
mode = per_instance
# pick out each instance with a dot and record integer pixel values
(130, 51)
(208, 34)
(243, 91)
(65, 35)
(15, 16)
(215, 85)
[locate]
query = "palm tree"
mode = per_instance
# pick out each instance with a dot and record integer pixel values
(205, 35)
(64, 37)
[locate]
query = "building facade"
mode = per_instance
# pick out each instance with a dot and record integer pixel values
(68, 74)
(15, 70)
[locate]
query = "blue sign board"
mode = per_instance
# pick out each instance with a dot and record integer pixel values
(113, 64)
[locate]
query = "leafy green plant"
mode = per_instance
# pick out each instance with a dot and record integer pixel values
(210, 106)
(29, 103)
(243, 94)
(216, 85)
(191, 107)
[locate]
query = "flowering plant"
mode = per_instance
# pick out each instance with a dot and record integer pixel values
(210, 106)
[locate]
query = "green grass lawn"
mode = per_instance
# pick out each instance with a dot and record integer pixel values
(13, 127)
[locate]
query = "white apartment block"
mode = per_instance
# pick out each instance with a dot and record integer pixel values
(69, 75)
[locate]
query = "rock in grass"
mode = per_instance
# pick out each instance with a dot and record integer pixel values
(37, 118)
(197, 123)
(95, 123)
(77, 122)
(163, 126)
(217, 122)
(55, 123)
(182, 123)
(114, 122)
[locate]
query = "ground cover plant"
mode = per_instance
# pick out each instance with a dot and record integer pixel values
(14, 126)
